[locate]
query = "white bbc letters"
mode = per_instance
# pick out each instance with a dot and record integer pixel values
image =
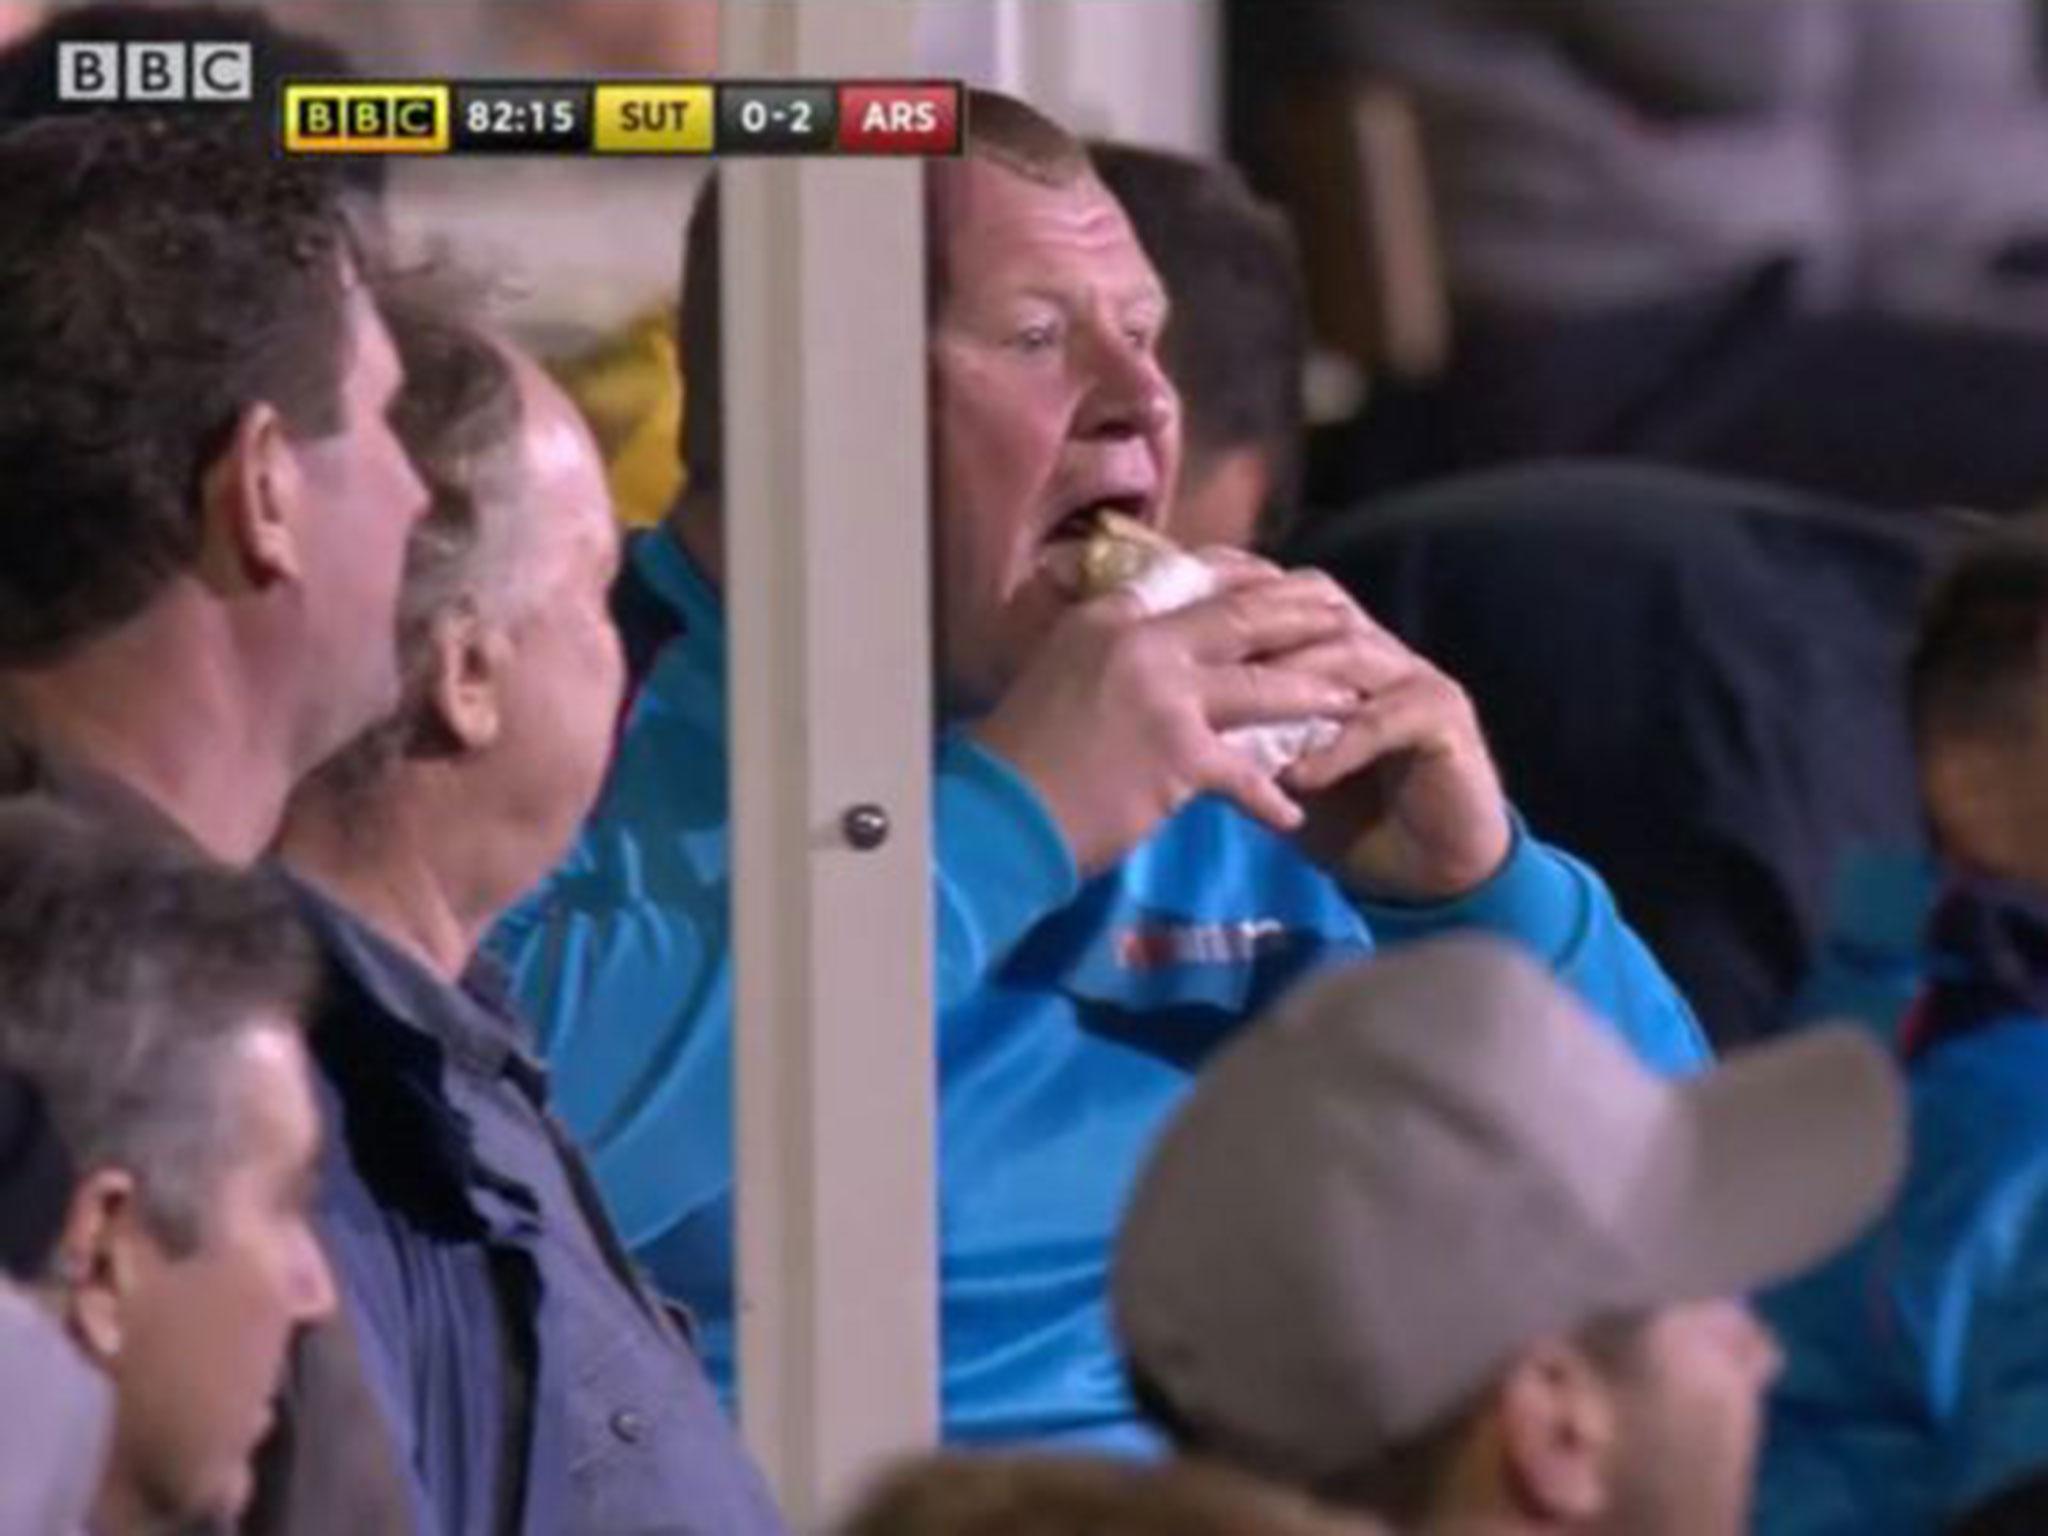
(160, 72)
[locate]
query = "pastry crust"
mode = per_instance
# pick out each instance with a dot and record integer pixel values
(1120, 551)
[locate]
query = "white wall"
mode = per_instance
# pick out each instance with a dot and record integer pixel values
(1148, 70)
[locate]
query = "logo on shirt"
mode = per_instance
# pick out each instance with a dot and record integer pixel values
(1162, 946)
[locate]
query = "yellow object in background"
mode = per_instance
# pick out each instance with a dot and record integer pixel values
(631, 391)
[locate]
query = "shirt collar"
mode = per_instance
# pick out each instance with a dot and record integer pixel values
(472, 1023)
(678, 580)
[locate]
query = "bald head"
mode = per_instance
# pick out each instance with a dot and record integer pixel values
(559, 491)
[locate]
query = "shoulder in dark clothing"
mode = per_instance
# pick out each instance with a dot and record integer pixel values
(1694, 683)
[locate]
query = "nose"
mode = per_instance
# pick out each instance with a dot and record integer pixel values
(1128, 393)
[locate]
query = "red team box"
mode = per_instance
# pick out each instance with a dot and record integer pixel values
(907, 119)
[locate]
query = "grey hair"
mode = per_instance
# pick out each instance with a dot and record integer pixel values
(131, 971)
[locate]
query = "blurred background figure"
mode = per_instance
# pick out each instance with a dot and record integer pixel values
(1799, 240)
(1692, 680)
(1913, 1393)
(1236, 345)
(1586, 155)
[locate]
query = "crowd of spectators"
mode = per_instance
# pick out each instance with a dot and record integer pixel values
(1331, 1139)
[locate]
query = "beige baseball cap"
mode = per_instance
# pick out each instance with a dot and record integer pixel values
(1417, 1165)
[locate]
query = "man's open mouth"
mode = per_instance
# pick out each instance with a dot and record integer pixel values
(1085, 519)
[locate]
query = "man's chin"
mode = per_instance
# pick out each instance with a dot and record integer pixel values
(221, 1505)
(967, 689)
(957, 701)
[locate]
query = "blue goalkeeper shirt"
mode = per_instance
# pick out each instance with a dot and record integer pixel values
(1072, 1017)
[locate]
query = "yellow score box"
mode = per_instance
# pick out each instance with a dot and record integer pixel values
(336, 118)
(648, 118)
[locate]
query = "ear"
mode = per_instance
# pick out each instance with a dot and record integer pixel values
(101, 1260)
(1557, 1428)
(255, 504)
(471, 656)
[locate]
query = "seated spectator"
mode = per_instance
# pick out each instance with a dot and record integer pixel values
(1428, 1243)
(1745, 748)
(156, 1002)
(1714, 722)
(956, 1494)
(536, 1382)
(1913, 1393)
(1117, 887)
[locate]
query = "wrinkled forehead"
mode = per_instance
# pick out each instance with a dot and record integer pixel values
(992, 227)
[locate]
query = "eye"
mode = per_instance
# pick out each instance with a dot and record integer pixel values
(1041, 337)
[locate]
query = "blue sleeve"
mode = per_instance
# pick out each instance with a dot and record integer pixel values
(1998, 1435)
(624, 963)
(1560, 910)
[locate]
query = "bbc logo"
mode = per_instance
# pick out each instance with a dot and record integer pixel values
(162, 72)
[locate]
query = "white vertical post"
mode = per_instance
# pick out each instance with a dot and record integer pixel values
(1147, 70)
(830, 710)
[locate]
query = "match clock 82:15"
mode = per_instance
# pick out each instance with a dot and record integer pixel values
(522, 118)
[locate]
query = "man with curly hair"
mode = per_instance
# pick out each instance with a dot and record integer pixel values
(203, 518)
(205, 509)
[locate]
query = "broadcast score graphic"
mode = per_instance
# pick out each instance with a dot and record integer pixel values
(621, 117)
(532, 117)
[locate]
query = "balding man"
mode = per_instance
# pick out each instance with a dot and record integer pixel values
(537, 1385)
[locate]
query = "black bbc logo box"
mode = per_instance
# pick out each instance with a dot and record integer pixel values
(331, 117)
(99, 73)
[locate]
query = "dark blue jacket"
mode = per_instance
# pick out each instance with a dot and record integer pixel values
(536, 1384)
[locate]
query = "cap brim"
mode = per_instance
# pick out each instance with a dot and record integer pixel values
(1781, 1155)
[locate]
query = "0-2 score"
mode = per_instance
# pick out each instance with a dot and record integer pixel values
(756, 116)
(771, 119)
